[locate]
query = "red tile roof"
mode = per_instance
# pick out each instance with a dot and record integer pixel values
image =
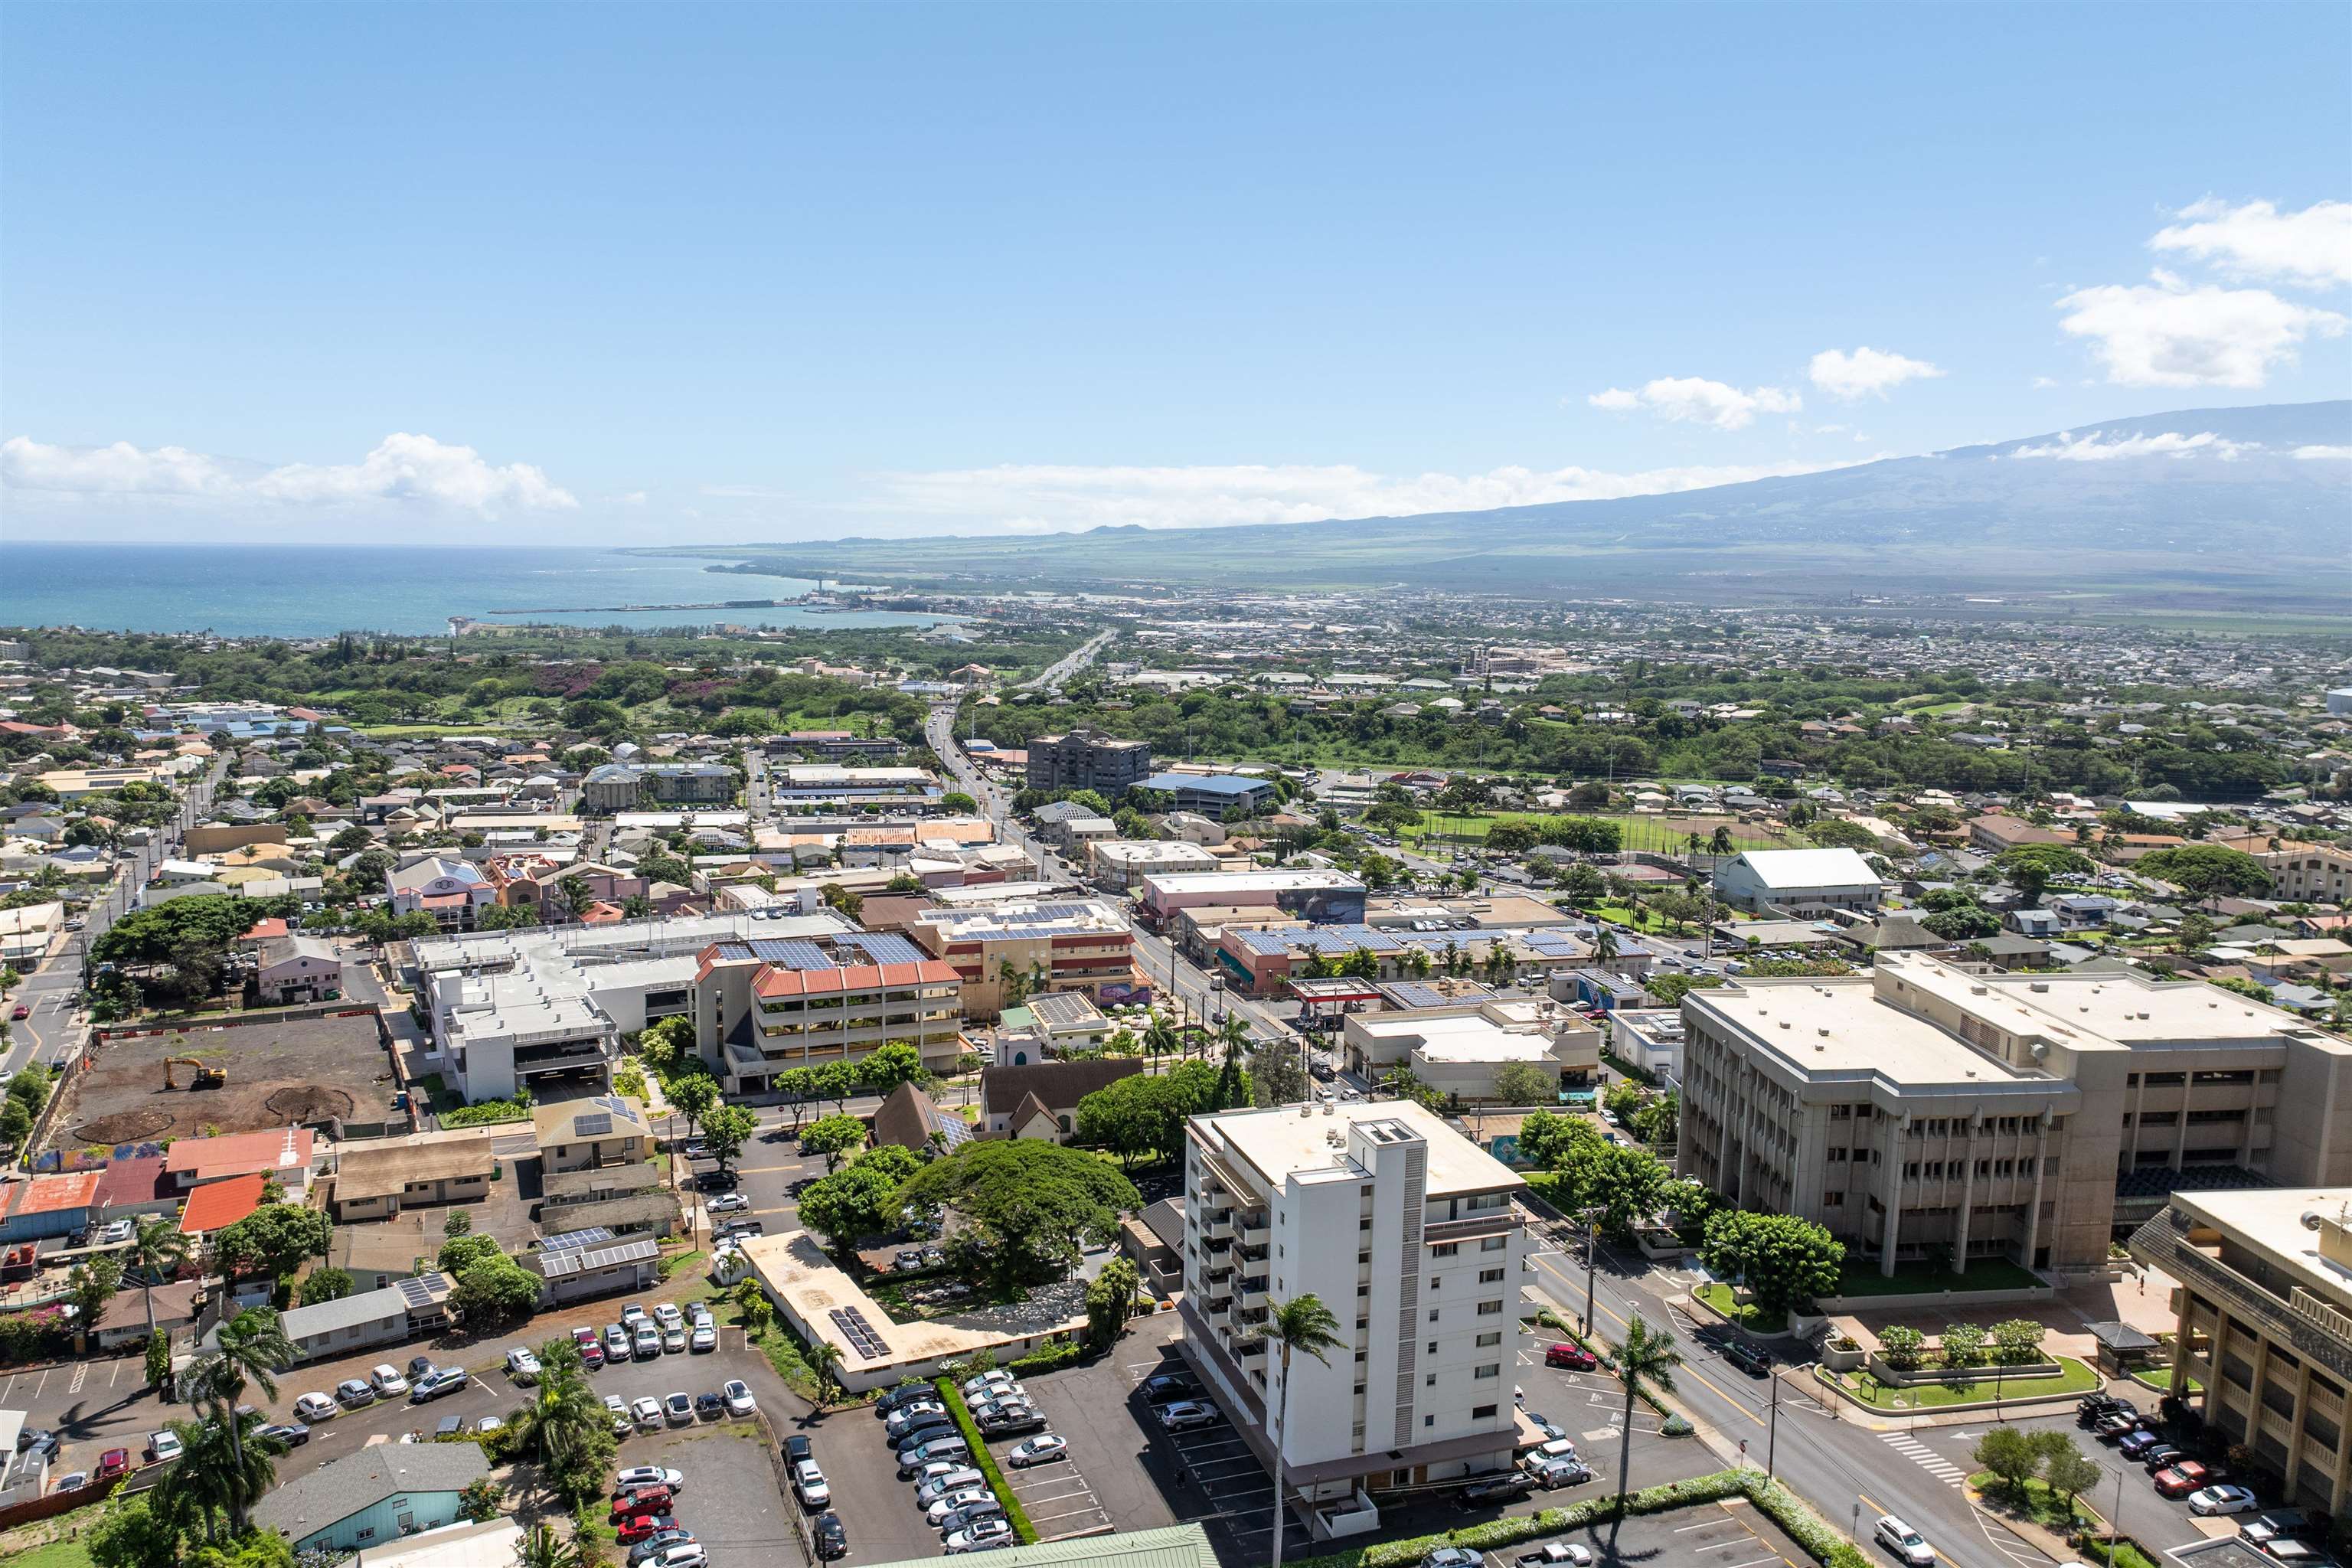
(264, 930)
(50, 1195)
(216, 1205)
(278, 1149)
(125, 1183)
(772, 981)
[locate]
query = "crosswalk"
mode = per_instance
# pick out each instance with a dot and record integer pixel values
(1927, 1458)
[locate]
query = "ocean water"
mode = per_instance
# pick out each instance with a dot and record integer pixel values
(312, 590)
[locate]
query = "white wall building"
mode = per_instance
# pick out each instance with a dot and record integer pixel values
(1411, 1236)
(1798, 879)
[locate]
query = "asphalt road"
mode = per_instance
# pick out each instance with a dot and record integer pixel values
(48, 990)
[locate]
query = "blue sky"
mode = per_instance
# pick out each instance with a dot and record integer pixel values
(505, 274)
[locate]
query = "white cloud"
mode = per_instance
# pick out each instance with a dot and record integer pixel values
(1700, 402)
(2339, 454)
(2312, 246)
(2166, 334)
(1048, 498)
(118, 469)
(2042, 383)
(1865, 373)
(2090, 448)
(403, 468)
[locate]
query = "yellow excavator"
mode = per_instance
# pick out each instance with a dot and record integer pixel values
(205, 1076)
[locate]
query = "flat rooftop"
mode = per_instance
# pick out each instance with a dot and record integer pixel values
(2115, 1008)
(1816, 1026)
(1277, 1140)
(1182, 882)
(2270, 1220)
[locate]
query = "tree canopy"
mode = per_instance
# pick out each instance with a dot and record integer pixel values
(1784, 1259)
(1027, 1207)
(273, 1239)
(2206, 871)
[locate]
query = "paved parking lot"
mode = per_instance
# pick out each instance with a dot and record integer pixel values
(730, 1502)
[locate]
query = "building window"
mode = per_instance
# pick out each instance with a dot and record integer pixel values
(1482, 1413)
(1485, 1310)
(1493, 1244)
(1429, 1420)
(1429, 1382)
(1446, 1249)
(1488, 1339)
(1432, 1314)
(1490, 1277)
(1832, 1200)
(1492, 1369)
(1433, 1345)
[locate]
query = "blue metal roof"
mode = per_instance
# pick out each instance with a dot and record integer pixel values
(1207, 783)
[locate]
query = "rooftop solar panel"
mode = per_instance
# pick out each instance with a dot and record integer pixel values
(591, 1126)
(793, 952)
(573, 1240)
(884, 947)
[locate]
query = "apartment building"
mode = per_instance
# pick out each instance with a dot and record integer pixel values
(1457, 1048)
(2309, 873)
(451, 891)
(1410, 1233)
(762, 1007)
(1926, 1111)
(1087, 758)
(1122, 863)
(1325, 898)
(2265, 1326)
(1023, 946)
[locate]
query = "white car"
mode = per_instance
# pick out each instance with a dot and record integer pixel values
(1906, 1542)
(944, 1477)
(809, 1481)
(2223, 1500)
(1556, 1551)
(951, 1502)
(690, 1555)
(738, 1395)
(521, 1366)
(618, 1409)
(1039, 1450)
(1187, 1413)
(705, 1337)
(924, 1413)
(317, 1408)
(388, 1381)
(982, 1535)
(72, 1481)
(649, 1475)
(163, 1447)
(667, 1314)
(647, 1413)
(728, 1203)
(998, 1378)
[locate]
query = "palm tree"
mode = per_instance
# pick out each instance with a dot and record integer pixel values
(1644, 1353)
(824, 1361)
(1160, 1036)
(539, 1547)
(1721, 843)
(225, 1467)
(252, 1347)
(563, 1419)
(1302, 1323)
(157, 1246)
(1233, 1036)
(1604, 943)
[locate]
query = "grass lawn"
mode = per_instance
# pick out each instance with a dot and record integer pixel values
(2073, 1377)
(2125, 1554)
(2159, 1378)
(1720, 1295)
(2040, 1504)
(1860, 1277)
(56, 1555)
(1669, 834)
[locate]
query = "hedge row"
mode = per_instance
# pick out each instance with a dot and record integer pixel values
(985, 1462)
(1503, 1533)
(1824, 1545)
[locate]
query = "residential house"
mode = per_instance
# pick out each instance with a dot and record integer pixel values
(391, 1315)
(1041, 1100)
(378, 1180)
(375, 1495)
(298, 969)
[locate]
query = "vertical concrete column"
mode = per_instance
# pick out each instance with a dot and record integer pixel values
(2033, 1205)
(1967, 1194)
(1891, 1194)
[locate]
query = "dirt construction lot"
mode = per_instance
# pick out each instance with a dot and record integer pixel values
(282, 1072)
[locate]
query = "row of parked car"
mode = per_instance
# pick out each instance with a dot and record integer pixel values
(955, 1496)
(2203, 1483)
(645, 1519)
(639, 1335)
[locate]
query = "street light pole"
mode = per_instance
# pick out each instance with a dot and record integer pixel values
(1772, 1430)
(1591, 1252)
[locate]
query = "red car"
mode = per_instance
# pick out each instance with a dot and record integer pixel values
(644, 1526)
(2182, 1478)
(591, 1348)
(112, 1463)
(638, 1504)
(22, 1012)
(1576, 1358)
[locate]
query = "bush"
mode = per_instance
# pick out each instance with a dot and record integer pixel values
(1051, 1356)
(985, 1462)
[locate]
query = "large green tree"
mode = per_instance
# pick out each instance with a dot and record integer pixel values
(2206, 871)
(1027, 1207)
(726, 1129)
(274, 1239)
(1784, 1259)
(833, 1137)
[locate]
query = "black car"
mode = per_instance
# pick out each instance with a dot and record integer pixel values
(2090, 1407)
(904, 1395)
(832, 1539)
(915, 1437)
(1170, 1385)
(796, 1449)
(1748, 1358)
(1013, 1426)
(708, 1407)
(1494, 1490)
(39, 1440)
(418, 1366)
(293, 1433)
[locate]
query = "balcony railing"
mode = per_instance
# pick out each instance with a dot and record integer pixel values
(2161, 1244)
(1489, 1222)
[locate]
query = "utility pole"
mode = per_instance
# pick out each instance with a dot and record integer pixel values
(1772, 1430)
(1591, 1255)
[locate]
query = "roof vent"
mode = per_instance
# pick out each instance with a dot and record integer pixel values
(1824, 1031)
(2044, 985)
